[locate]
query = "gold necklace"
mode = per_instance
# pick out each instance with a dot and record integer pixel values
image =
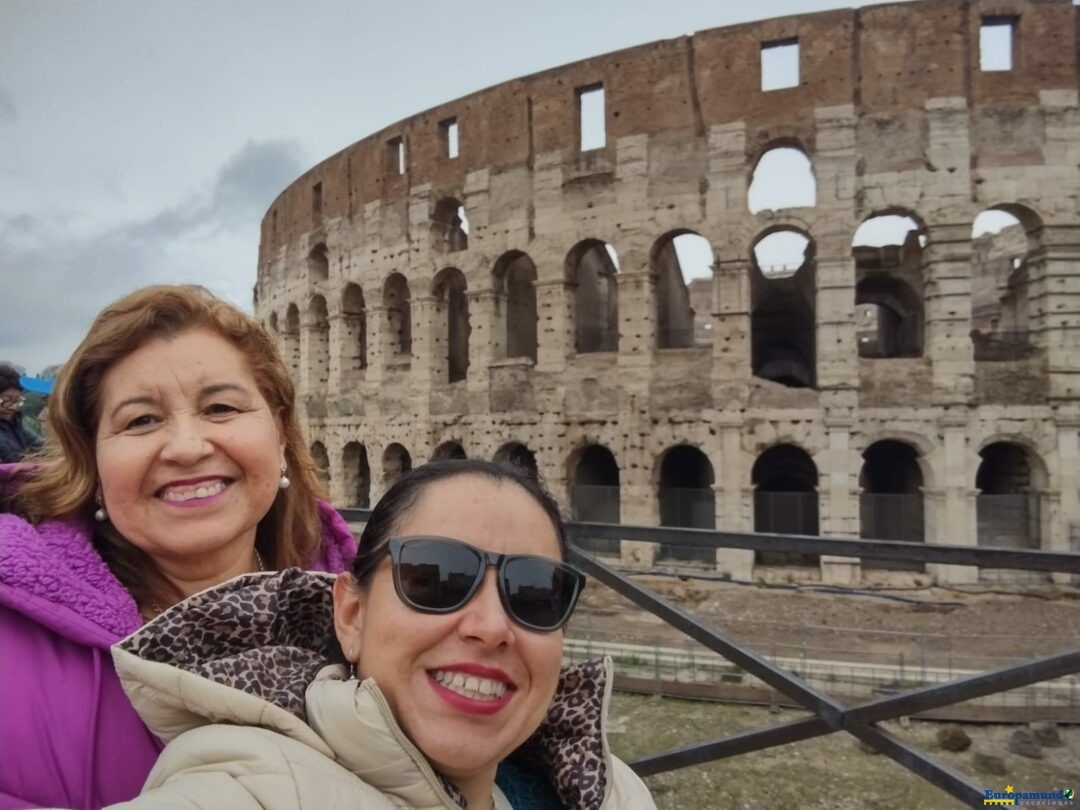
(157, 609)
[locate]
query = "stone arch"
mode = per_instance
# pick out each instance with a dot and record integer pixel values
(782, 177)
(449, 226)
(318, 367)
(356, 475)
(449, 451)
(519, 455)
(398, 307)
(891, 503)
(785, 481)
(353, 331)
(322, 464)
(923, 447)
(595, 492)
(318, 263)
(681, 290)
(686, 497)
(889, 318)
(783, 326)
(451, 321)
(396, 461)
(515, 283)
(1006, 264)
(1009, 506)
(591, 269)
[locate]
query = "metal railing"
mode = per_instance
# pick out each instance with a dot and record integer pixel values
(829, 715)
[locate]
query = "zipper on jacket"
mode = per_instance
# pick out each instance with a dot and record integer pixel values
(421, 761)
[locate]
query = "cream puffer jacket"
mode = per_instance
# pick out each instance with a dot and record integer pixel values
(240, 681)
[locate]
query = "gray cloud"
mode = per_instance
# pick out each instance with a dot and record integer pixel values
(54, 283)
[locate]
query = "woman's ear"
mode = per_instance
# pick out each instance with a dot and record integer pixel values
(348, 615)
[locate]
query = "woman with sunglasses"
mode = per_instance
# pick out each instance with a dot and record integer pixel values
(428, 676)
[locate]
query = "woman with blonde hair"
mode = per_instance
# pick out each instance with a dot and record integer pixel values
(174, 462)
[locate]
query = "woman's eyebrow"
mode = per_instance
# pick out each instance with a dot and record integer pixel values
(219, 388)
(143, 400)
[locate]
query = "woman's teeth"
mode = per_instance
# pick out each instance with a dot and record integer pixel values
(201, 491)
(470, 686)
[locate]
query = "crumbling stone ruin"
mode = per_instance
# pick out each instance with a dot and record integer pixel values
(501, 276)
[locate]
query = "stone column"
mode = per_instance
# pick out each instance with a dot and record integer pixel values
(1054, 298)
(840, 499)
(637, 318)
(426, 350)
(483, 322)
(731, 327)
(378, 343)
(957, 523)
(731, 512)
(947, 275)
(554, 302)
(638, 507)
(1065, 531)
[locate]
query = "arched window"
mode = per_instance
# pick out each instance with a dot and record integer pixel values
(515, 279)
(785, 499)
(591, 269)
(891, 502)
(783, 178)
(396, 461)
(318, 344)
(449, 226)
(1005, 241)
(1008, 506)
(398, 316)
(354, 330)
(682, 264)
(357, 476)
(452, 321)
(594, 493)
(318, 263)
(783, 323)
(888, 253)
(687, 498)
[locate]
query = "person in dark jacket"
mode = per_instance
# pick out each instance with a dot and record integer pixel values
(15, 440)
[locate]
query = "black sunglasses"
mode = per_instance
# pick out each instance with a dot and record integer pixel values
(440, 575)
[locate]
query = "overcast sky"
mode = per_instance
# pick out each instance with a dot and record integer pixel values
(143, 140)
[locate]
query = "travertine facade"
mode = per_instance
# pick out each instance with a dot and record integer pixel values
(952, 415)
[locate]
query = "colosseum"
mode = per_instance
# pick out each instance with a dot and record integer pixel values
(507, 275)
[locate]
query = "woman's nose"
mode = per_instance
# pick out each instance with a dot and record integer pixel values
(484, 618)
(185, 441)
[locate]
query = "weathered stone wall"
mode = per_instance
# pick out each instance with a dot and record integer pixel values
(896, 117)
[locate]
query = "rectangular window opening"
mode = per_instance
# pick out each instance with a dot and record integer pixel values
(997, 37)
(591, 120)
(316, 199)
(449, 131)
(780, 64)
(396, 155)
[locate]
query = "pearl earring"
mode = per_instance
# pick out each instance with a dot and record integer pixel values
(100, 515)
(284, 482)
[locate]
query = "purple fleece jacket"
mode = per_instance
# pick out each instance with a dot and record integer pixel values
(68, 736)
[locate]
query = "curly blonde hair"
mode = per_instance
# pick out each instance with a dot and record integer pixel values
(65, 480)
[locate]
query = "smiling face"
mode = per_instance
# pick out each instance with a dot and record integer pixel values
(467, 687)
(188, 452)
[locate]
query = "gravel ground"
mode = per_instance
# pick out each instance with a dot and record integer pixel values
(826, 772)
